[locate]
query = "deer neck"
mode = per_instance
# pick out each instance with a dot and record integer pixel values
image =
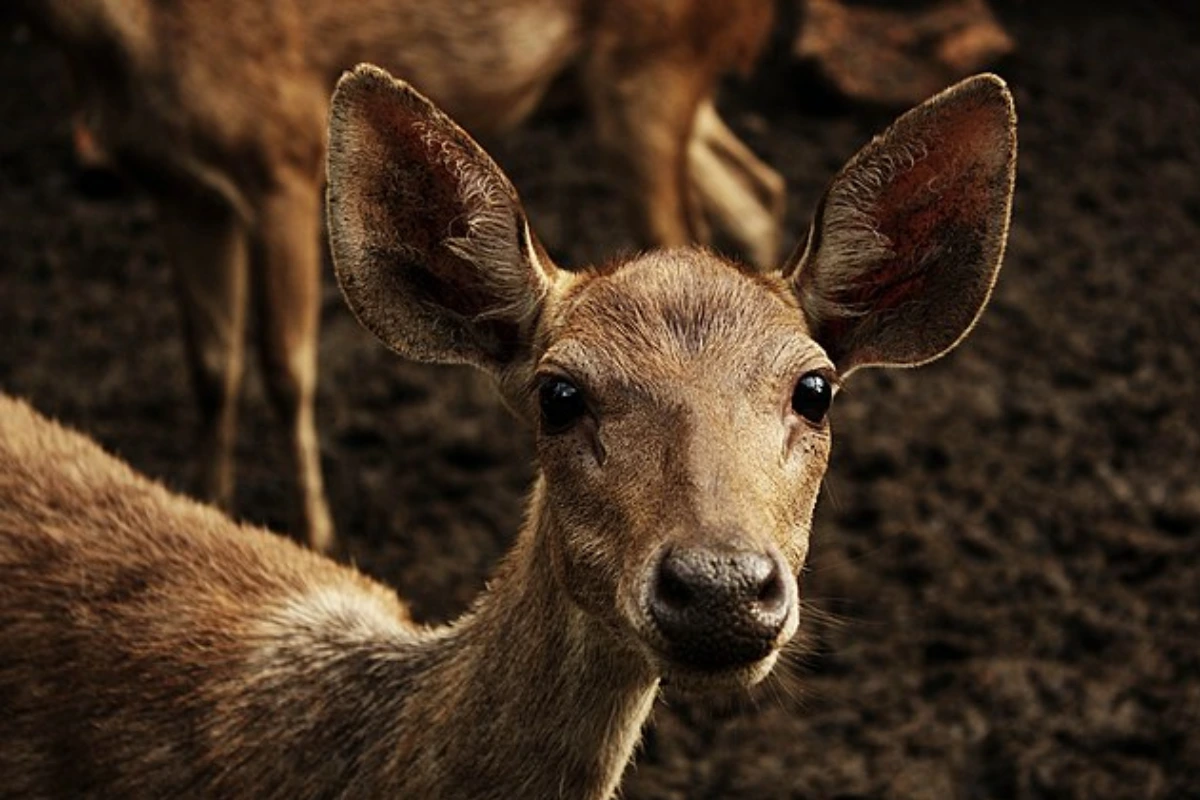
(546, 700)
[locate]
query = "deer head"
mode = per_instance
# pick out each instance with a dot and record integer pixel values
(680, 400)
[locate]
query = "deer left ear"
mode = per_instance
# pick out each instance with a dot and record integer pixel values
(908, 239)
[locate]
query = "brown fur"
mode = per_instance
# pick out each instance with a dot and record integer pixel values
(219, 107)
(899, 53)
(151, 647)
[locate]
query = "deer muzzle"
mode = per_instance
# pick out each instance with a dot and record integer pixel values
(720, 607)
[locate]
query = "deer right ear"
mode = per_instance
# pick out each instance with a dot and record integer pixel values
(430, 244)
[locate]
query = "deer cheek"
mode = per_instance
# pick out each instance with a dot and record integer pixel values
(808, 458)
(580, 573)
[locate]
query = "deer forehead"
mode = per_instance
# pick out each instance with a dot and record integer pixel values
(660, 323)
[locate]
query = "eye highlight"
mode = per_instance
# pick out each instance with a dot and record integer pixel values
(561, 404)
(812, 396)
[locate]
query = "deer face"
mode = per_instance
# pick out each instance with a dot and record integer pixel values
(682, 433)
(679, 401)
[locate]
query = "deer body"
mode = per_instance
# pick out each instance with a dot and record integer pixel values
(153, 648)
(218, 107)
(150, 646)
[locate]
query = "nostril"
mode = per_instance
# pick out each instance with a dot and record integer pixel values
(773, 604)
(672, 590)
(772, 592)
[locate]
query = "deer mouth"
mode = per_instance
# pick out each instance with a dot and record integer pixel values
(729, 660)
(694, 680)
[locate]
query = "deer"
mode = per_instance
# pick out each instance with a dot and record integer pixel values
(895, 54)
(680, 404)
(218, 110)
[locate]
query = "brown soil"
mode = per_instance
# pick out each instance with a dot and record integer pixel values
(1005, 585)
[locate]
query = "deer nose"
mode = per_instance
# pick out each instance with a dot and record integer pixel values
(718, 607)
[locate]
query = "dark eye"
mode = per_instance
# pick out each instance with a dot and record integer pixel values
(562, 404)
(812, 396)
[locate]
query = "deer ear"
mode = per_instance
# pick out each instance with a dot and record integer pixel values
(908, 239)
(430, 244)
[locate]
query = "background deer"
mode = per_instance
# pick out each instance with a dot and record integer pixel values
(898, 53)
(149, 646)
(219, 109)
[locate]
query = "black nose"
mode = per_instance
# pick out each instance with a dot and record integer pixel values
(718, 607)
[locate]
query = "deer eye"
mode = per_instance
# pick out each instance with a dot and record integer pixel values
(812, 396)
(562, 404)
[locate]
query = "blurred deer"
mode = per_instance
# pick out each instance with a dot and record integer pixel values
(218, 108)
(151, 647)
(895, 53)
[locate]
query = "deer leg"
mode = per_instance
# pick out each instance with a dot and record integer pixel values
(288, 291)
(741, 195)
(206, 242)
(643, 121)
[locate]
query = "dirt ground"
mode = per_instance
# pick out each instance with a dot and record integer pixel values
(1004, 591)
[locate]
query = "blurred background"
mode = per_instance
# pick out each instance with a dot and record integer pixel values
(1005, 582)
